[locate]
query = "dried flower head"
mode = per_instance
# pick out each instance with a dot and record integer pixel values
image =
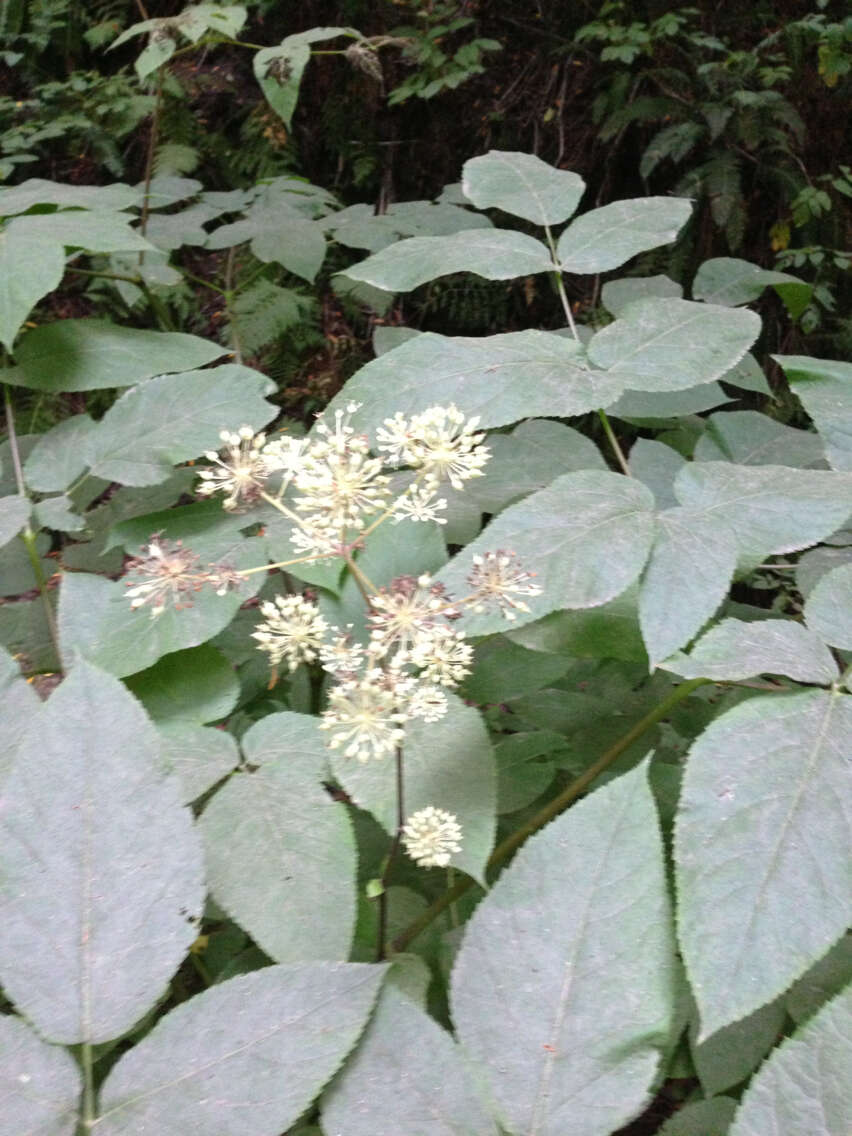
(407, 613)
(365, 714)
(169, 575)
(497, 579)
(431, 836)
(240, 471)
(293, 631)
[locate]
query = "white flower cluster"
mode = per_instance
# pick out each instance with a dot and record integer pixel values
(331, 487)
(431, 836)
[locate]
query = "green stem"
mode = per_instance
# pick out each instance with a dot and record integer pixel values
(229, 296)
(613, 441)
(89, 1116)
(551, 809)
(149, 160)
(560, 286)
(106, 275)
(28, 535)
(204, 283)
(382, 932)
(365, 585)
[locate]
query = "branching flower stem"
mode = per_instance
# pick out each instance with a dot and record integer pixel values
(552, 809)
(382, 932)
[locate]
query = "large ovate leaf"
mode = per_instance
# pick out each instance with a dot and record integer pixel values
(439, 1096)
(57, 459)
(38, 191)
(448, 764)
(730, 281)
(77, 228)
(688, 574)
(91, 354)
(828, 609)
(825, 389)
(586, 537)
(500, 378)
(30, 267)
(244, 1058)
(194, 686)
(496, 254)
(731, 1055)
(656, 465)
(280, 852)
(174, 418)
(762, 849)
(617, 294)
(279, 70)
(40, 1084)
(668, 345)
(198, 755)
(822, 982)
(563, 990)
(735, 650)
(19, 703)
(803, 1089)
(523, 185)
(750, 438)
(607, 237)
(101, 869)
(650, 405)
(299, 245)
(14, 514)
(771, 509)
(701, 1118)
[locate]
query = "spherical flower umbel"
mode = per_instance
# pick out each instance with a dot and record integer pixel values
(431, 836)
(365, 715)
(407, 613)
(440, 443)
(428, 703)
(293, 631)
(498, 579)
(240, 472)
(445, 657)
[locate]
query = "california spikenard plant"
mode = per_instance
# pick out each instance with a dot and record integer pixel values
(363, 903)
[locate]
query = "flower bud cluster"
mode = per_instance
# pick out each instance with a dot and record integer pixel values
(169, 575)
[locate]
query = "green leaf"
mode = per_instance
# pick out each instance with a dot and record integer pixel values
(825, 979)
(157, 51)
(540, 985)
(748, 375)
(91, 354)
(656, 465)
(246, 1056)
(279, 70)
(174, 418)
(40, 1084)
(496, 254)
(667, 345)
(95, 617)
(814, 565)
(733, 1053)
(605, 238)
(617, 294)
(610, 631)
(58, 513)
(701, 1118)
(750, 438)
(435, 774)
(503, 670)
(762, 850)
(281, 855)
(198, 755)
(30, 266)
(688, 574)
(828, 609)
(56, 460)
(824, 387)
(20, 703)
(194, 686)
(736, 650)
(14, 514)
(730, 281)
(37, 191)
(500, 378)
(668, 404)
(803, 1089)
(770, 508)
(528, 459)
(586, 537)
(522, 775)
(440, 1097)
(299, 246)
(523, 185)
(77, 228)
(94, 834)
